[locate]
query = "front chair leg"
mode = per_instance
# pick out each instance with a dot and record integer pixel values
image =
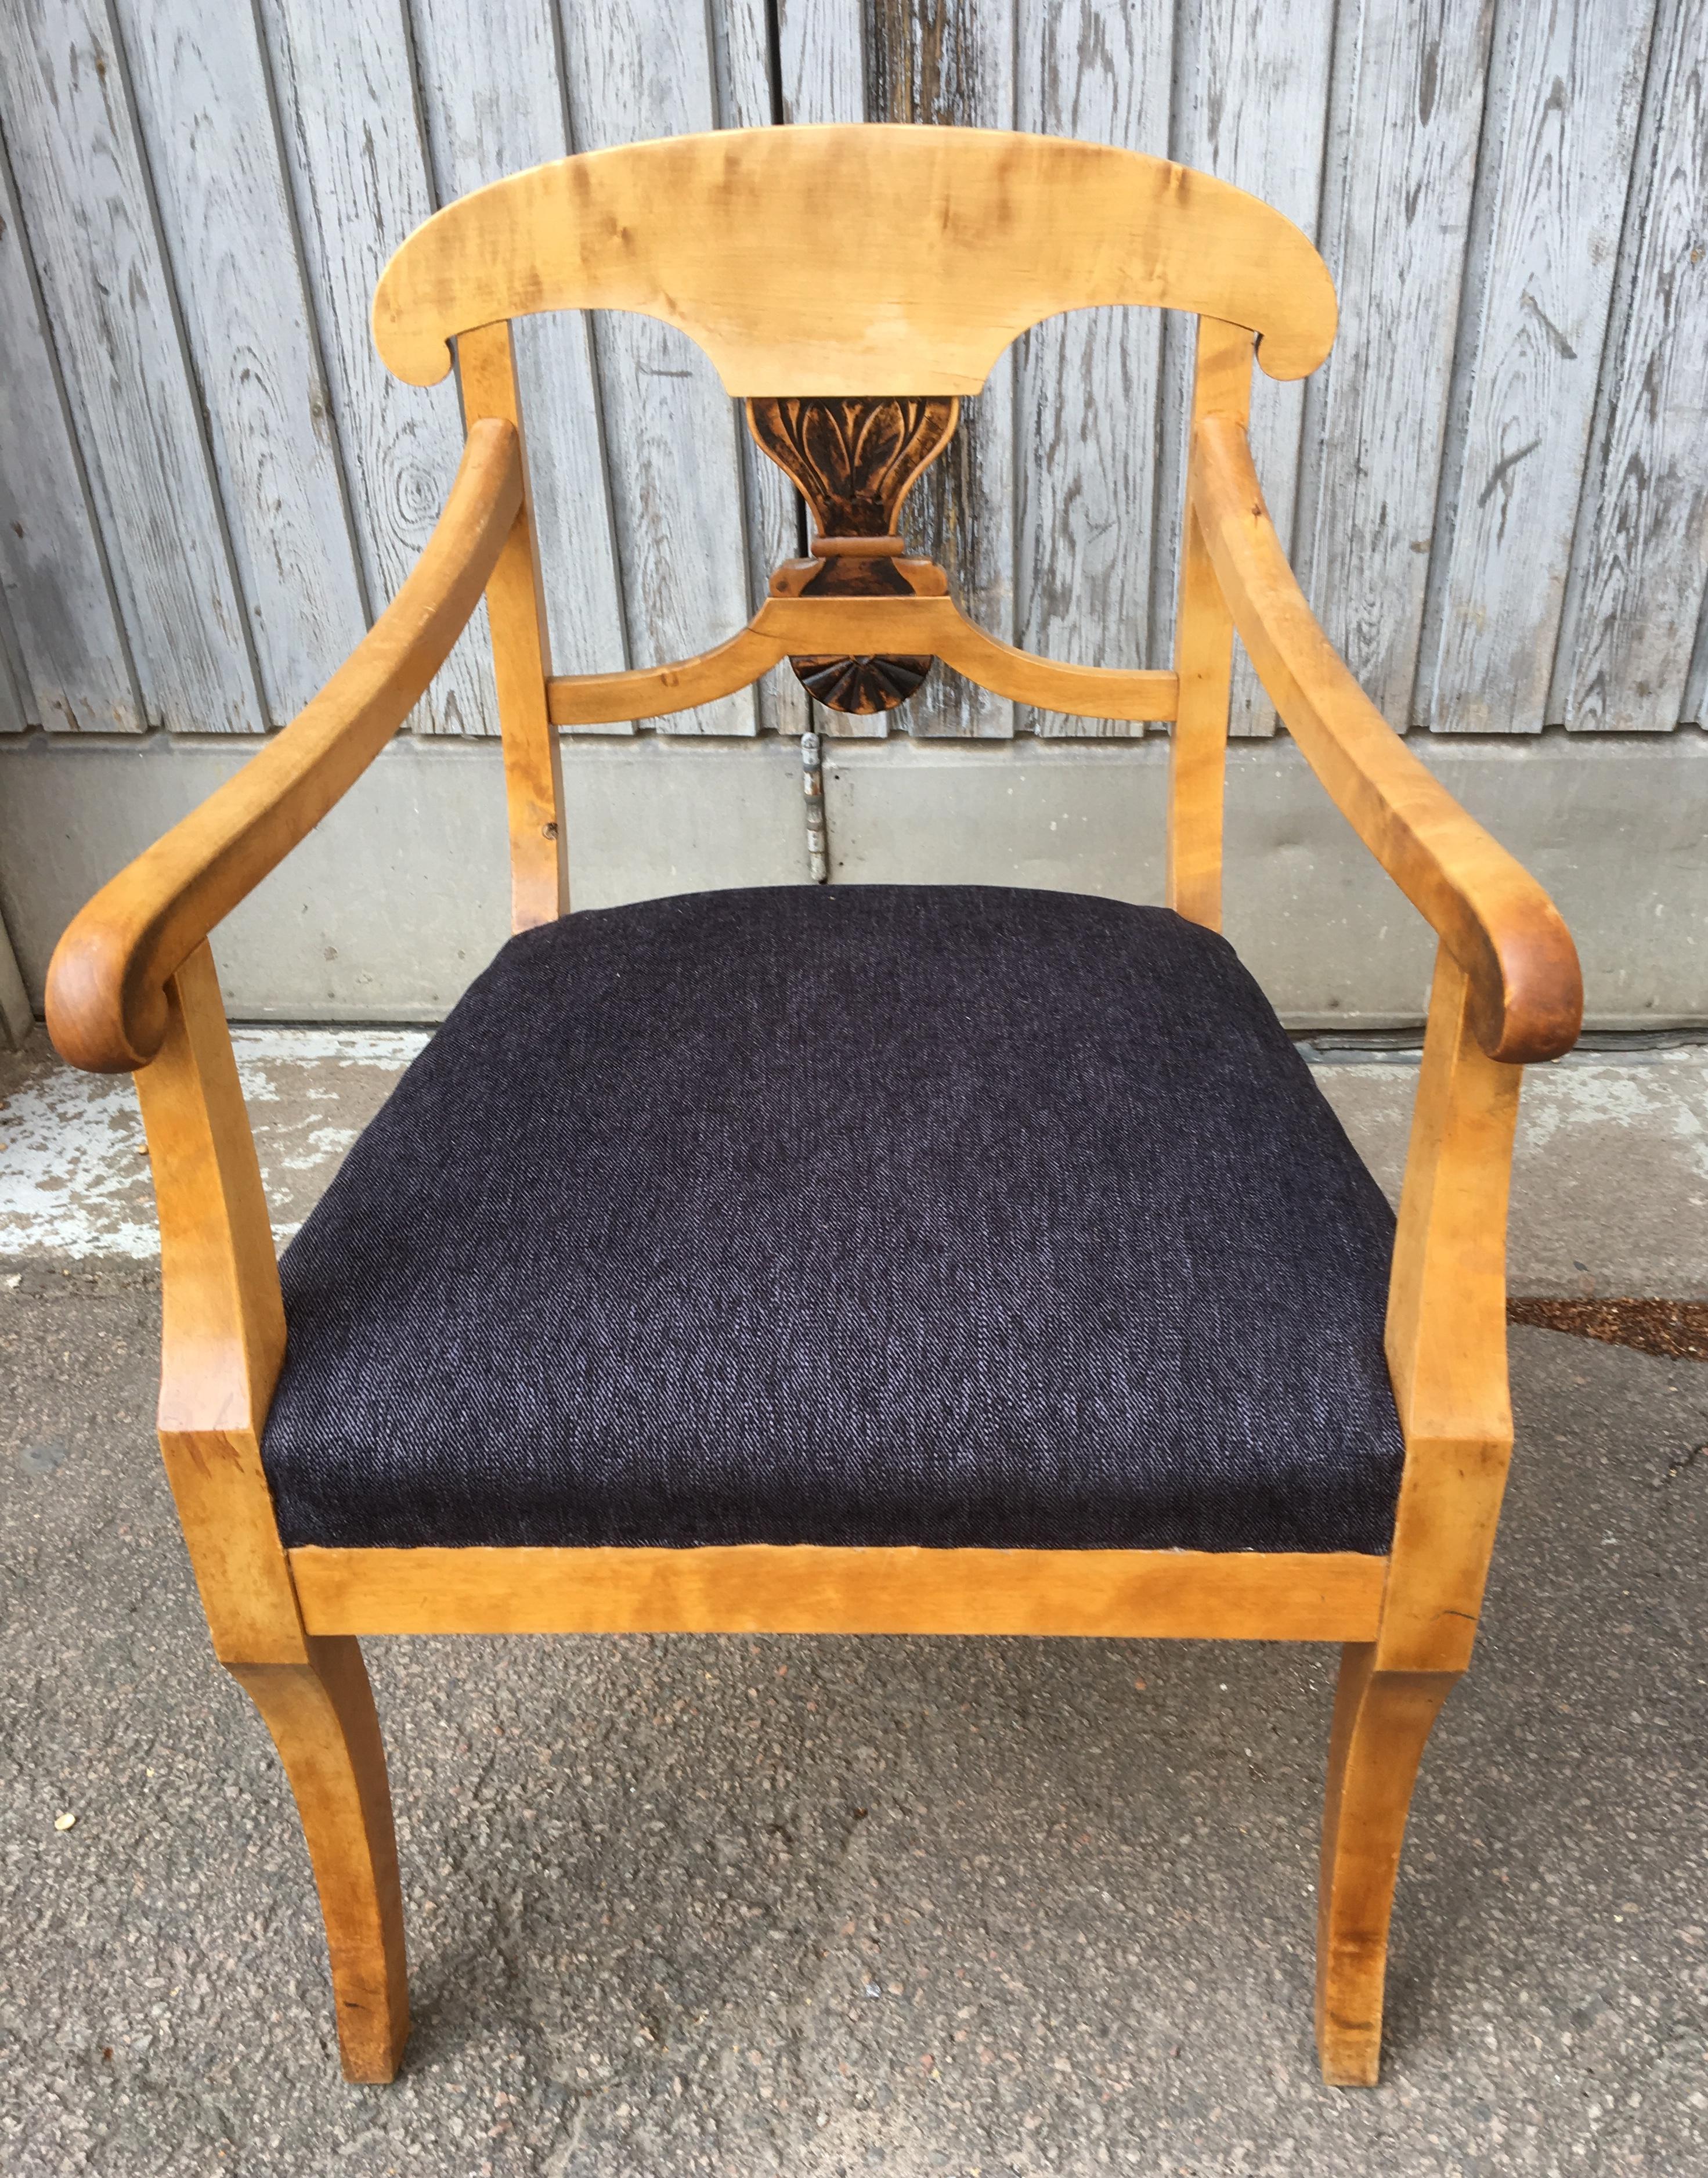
(322, 1720)
(1382, 1720)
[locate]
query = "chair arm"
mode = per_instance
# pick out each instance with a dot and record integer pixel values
(106, 1009)
(1494, 918)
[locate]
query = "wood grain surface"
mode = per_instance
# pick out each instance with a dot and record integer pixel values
(1253, 111)
(806, 1587)
(18, 713)
(1446, 1335)
(821, 60)
(1382, 1722)
(1565, 82)
(1642, 535)
(925, 625)
(358, 171)
(1406, 109)
(492, 101)
(69, 123)
(223, 1323)
(1089, 386)
(1204, 651)
(322, 1718)
(521, 658)
(67, 649)
(637, 69)
(822, 69)
(217, 166)
(1525, 986)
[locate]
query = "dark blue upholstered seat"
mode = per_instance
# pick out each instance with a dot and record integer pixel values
(871, 1214)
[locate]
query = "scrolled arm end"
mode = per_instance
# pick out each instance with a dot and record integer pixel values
(1527, 992)
(103, 1015)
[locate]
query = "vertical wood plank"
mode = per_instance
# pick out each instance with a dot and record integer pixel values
(744, 39)
(492, 95)
(1559, 133)
(16, 1019)
(1641, 558)
(1405, 116)
(14, 710)
(67, 115)
(1250, 106)
(1695, 704)
(639, 69)
(357, 168)
(71, 661)
(1090, 385)
(952, 61)
(821, 60)
(213, 150)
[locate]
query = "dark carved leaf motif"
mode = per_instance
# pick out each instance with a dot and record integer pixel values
(854, 460)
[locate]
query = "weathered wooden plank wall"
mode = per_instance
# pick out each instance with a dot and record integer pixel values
(88, 219)
(1497, 489)
(1398, 188)
(1565, 86)
(54, 572)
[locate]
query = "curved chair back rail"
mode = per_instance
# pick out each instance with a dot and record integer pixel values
(854, 259)
(783, 625)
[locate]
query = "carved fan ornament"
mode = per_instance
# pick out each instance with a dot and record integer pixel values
(855, 461)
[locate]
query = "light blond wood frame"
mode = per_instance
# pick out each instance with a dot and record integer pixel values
(133, 986)
(854, 259)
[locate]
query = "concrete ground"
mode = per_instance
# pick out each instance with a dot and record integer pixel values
(840, 1906)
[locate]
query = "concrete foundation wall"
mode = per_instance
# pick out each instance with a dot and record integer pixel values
(401, 896)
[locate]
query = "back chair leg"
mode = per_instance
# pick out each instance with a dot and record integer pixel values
(322, 1720)
(1382, 1720)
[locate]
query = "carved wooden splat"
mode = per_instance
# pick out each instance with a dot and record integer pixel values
(855, 461)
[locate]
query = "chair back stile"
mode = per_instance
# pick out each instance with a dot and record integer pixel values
(1204, 653)
(522, 655)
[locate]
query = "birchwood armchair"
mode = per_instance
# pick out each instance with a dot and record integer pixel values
(1086, 1321)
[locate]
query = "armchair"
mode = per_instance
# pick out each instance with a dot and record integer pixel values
(1089, 1320)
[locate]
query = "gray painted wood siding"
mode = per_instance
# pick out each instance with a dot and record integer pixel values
(1496, 491)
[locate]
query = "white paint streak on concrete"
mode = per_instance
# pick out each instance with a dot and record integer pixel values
(309, 1047)
(74, 1175)
(73, 1171)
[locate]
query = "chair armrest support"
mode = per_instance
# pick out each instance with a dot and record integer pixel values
(1526, 988)
(106, 1003)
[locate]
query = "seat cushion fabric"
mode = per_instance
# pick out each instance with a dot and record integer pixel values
(941, 1215)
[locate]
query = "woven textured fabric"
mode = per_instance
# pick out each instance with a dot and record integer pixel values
(867, 1215)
